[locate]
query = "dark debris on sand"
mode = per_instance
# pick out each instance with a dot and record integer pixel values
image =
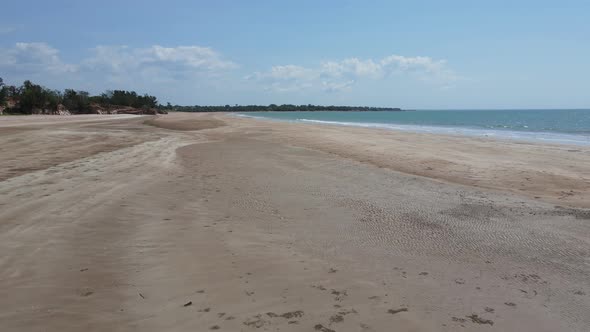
(395, 311)
(479, 320)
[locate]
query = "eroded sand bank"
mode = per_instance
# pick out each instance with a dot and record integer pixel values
(117, 225)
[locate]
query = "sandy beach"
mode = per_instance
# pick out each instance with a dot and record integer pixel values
(197, 222)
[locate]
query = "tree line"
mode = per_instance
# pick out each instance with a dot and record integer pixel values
(275, 108)
(32, 98)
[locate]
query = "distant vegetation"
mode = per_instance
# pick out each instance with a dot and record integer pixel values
(2, 93)
(30, 98)
(274, 108)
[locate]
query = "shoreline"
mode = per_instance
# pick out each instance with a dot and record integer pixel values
(548, 138)
(556, 172)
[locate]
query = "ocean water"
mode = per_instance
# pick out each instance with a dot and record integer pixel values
(562, 126)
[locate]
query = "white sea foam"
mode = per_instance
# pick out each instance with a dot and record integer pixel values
(552, 138)
(556, 138)
(240, 115)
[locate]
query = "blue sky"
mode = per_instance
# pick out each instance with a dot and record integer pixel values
(411, 54)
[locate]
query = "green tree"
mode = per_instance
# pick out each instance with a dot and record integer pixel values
(54, 98)
(128, 98)
(31, 96)
(2, 92)
(76, 101)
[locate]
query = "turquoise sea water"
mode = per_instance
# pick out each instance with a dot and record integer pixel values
(551, 126)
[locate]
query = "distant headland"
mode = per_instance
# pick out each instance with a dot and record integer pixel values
(280, 108)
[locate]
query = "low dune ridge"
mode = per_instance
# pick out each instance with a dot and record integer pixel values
(185, 122)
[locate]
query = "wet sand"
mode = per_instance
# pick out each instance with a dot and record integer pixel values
(195, 222)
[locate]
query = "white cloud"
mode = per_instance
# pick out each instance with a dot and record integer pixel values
(200, 68)
(285, 78)
(425, 68)
(193, 56)
(336, 86)
(125, 60)
(351, 67)
(332, 76)
(150, 69)
(34, 58)
(291, 72)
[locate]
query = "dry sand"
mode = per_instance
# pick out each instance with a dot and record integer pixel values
(196, 222)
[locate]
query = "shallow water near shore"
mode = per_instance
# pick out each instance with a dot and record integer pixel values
(562, 126)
